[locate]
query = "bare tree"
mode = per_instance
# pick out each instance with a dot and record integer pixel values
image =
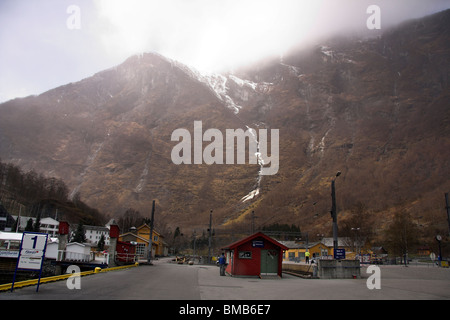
(402, 234)
(358, 227)
(131, 218)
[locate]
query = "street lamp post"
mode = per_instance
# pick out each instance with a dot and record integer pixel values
(150, 240)
(439, 239)
(447, 207)
(334, 213)
(357, 243)
(209, 238)
(195, 238)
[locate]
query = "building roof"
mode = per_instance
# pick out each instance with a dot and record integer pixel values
(17, 236)
(111, 222)
(252, 237)
(84, 244)
(344, 242)
(147, 226)
(10, 236)
(296, 245)
(98, 228)
(3, 211)
(49, 220)
(131, 234)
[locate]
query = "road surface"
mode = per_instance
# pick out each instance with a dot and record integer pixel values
(169, 281)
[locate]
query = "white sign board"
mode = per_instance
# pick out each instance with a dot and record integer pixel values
(32, 251)
(31, 255)
(30, 263)
(34, 241)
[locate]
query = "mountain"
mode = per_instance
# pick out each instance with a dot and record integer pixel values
(374, 109)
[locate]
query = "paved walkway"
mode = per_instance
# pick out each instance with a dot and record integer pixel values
(169, 281)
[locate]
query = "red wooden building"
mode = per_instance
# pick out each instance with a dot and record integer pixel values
(126, 252)
(255, 255)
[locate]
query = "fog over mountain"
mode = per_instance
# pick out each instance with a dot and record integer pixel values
(49, 43)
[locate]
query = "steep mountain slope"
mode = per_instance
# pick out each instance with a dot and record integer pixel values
(376, 110)
(109, 137)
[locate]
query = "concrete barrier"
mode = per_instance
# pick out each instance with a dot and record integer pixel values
(339, 269)
(305, 270)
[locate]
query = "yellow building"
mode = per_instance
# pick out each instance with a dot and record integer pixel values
(324, 248)
(353, 247)
(141, 236)
(296, 251)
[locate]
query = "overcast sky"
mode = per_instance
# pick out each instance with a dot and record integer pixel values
(48, 43)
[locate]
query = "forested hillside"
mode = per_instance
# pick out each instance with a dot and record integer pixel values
(32, 194)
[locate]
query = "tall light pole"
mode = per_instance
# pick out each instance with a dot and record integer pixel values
(210, 234)
(150, 240)
(356, 243)
(253, 222)
(447, 206)
(195, 238)
(334, 213)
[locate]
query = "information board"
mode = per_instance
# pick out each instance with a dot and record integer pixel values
(339, 254)
(32, 251)
(31, 254)
(34, 241)
(258, 243)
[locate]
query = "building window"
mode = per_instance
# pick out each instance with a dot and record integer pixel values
(291, 256)
(140, 249)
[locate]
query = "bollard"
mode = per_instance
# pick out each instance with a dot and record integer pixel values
(98, 270)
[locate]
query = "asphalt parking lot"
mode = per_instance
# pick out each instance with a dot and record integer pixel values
(169, 281)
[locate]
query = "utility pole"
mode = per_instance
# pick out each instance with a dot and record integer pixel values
(18, 218)
(439, 239)
(447, 206)
(210, 235)
(195, 238)
(334, 213)
(150, 242)
(253, 222)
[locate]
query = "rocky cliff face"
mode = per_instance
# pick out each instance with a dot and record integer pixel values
(376, 110)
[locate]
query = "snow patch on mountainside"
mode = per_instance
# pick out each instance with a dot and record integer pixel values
(219, 84)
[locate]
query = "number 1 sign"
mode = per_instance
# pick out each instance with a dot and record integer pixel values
(35, 241)
(31, 254)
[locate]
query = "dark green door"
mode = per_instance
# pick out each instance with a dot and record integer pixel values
(269, 262)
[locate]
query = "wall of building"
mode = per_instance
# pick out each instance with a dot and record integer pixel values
(250, 267)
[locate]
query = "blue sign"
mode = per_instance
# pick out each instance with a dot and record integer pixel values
(258, 244)
(339, 254)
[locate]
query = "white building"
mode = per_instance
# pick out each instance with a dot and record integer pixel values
(78, 252)
(52, 248)
(47, 225)
(94, 233)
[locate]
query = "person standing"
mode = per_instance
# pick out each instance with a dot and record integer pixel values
(307, 256)
(222, 264)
